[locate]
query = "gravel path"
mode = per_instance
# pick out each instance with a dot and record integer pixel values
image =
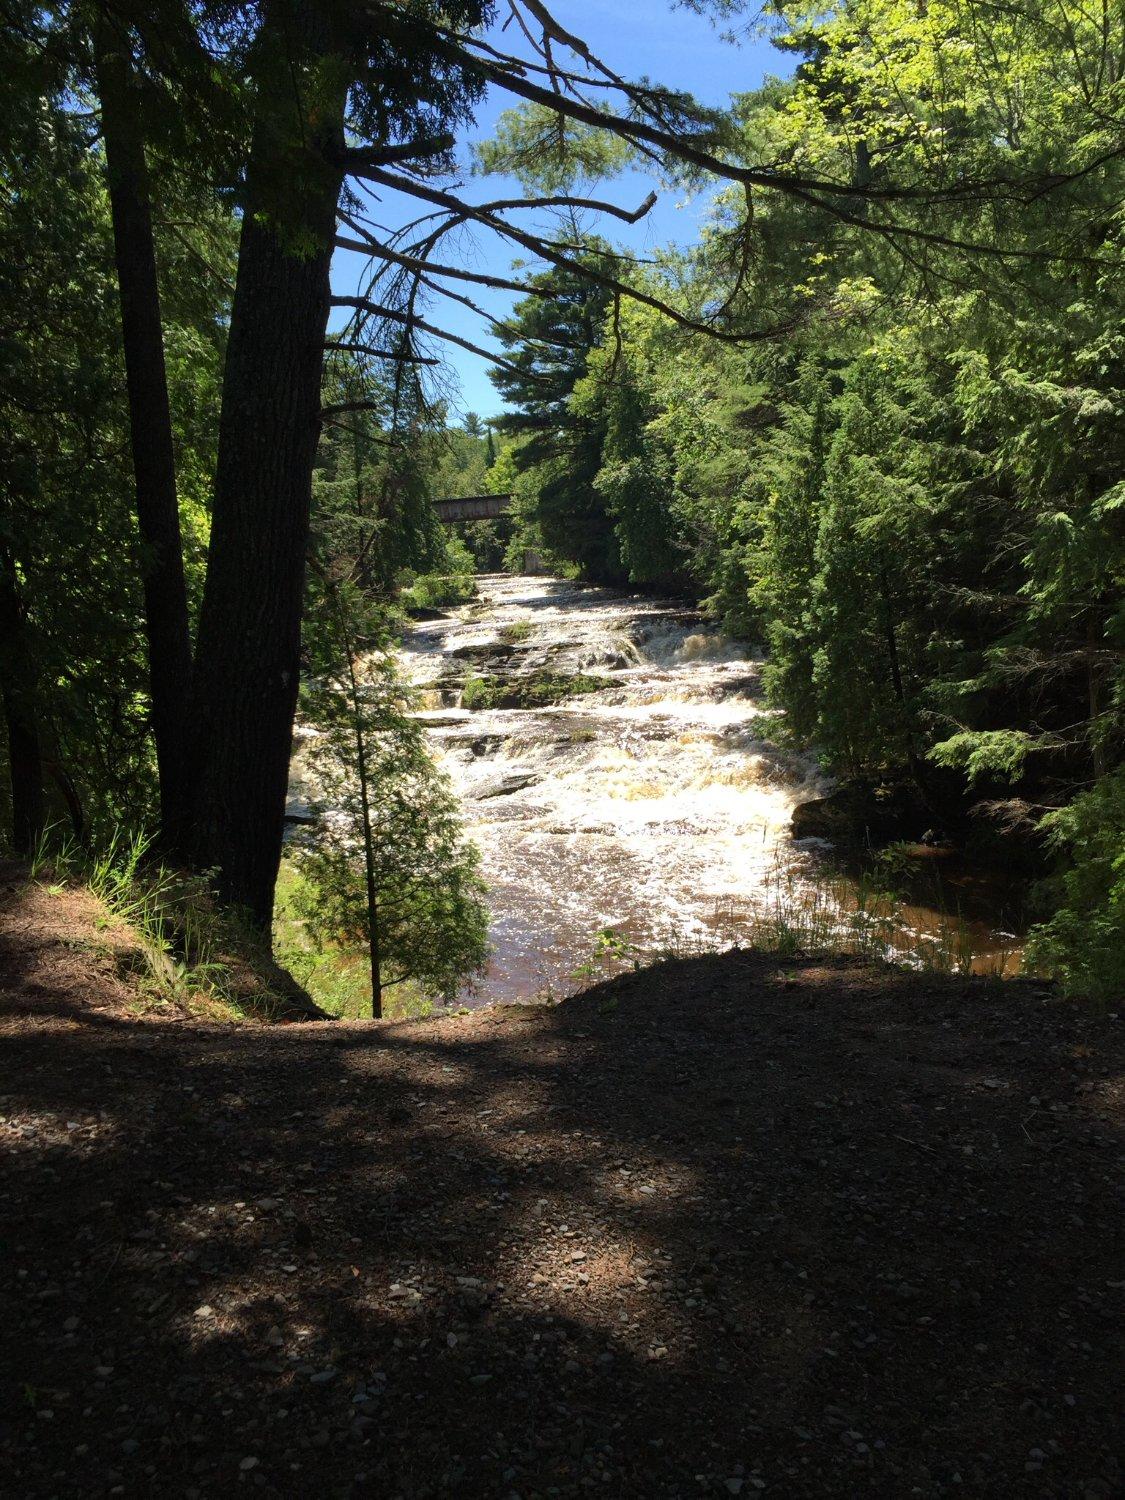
(721, 1227)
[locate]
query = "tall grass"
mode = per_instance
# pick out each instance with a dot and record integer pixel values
(808, 914)
(818, 913)
(190, 946)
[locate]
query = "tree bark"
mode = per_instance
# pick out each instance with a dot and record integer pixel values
(371, 891)
(912, 758)
(17, 689)
(150, 425)
(248, 648)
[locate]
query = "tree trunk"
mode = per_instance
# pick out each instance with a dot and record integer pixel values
(374, 958)
(916, 769)
(150, 426)
(248, 648)
(17, 687)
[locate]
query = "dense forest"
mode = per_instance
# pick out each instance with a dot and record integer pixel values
(874, 419)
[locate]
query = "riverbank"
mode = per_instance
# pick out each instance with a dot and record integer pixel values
(730, 1225)
(618, 768)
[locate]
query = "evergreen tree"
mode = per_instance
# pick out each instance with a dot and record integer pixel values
(550, 338)
(388, 866)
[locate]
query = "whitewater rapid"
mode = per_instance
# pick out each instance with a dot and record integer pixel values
(654, 807)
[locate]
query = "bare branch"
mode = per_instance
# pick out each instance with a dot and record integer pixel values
(374, 247)
(354, 159)
(409, 320)
(393, 355)
(547, 252)
(595, 205)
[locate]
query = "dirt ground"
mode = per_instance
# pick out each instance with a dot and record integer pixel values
(727, 1226)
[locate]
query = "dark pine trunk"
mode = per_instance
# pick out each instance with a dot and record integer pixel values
(150, 425)
(17, 687)
(248, 648)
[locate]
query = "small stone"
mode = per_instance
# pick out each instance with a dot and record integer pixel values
(322, 1377)
(205, 1311)
(734, 1486)
(248, 1463)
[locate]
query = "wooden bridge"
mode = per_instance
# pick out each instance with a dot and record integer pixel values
(472, 508)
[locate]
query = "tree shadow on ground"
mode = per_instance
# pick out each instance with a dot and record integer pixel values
(724, 1226)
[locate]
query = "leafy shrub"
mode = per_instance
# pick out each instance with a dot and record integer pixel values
(1083, 944)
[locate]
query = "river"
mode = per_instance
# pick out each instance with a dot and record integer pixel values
(653, 806)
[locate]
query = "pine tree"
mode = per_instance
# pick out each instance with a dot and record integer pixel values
(549, 340)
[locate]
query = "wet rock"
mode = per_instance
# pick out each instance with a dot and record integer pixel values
(858, 814)
(505, 784)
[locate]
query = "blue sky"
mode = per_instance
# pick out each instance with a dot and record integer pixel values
(645, 38)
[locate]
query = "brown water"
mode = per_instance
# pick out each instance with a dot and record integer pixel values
(654, 807)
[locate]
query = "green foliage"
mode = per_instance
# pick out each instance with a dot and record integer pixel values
(1083, 943)
(191, 952)
(384, 806)
(914, 497)
(439, 590)
(635, 480)
(985, 754)
(465, 461)
(545, 151)
(610, 953)
(68, 536)
(373, 482)
(335, 973)
(905, 479)
(558, 448)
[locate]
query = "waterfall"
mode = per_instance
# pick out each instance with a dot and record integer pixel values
(650, 803)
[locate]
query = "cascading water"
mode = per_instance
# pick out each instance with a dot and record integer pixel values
(651, 806)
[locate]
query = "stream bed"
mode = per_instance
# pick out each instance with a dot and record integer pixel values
(650, 804)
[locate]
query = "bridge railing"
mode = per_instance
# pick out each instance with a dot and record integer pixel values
(472, 508)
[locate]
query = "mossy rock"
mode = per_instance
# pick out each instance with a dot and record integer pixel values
(537, 690)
